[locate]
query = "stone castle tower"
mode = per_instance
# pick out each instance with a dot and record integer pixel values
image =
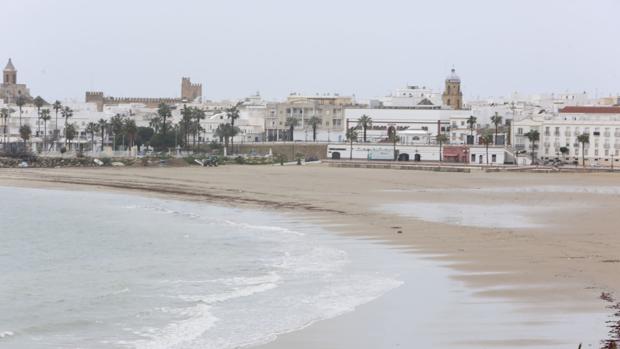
(190, 92)
(452, 96)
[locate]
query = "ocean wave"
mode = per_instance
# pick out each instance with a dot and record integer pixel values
(199, 320)
(6, 334)
(253, 285)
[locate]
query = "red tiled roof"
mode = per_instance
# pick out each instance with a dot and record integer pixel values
(591, 110)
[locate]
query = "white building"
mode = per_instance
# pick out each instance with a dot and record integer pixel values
(558, 132)
(416, 126)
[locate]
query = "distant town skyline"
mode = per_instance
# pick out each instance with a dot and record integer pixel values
(235, 48)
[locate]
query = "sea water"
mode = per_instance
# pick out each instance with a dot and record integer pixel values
(95, 270)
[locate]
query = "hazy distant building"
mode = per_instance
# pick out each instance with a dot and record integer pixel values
(413, 97)
(189, 93)
(453, 96)
(10, 90)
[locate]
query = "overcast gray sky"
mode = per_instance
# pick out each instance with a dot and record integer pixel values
(142, 48)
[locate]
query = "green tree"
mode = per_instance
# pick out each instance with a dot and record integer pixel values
(564, 151)
(130, 130)
(533, 136)
(145, 134)
(314, 122)
(116, 126)
(70, 133)
(584, 139)
(486, 139)
(155, 123)
(441, 139)
(197, 116)
(57, 106)
(103, 126)
(66, 113)
(25, 132)
(351, 137)
(38, 102)
(394, 138)
(164, 113)
(365, 122)
(471, 121)
(45, 116)
(5, 114)
(232, 113)
(20, 101)
(291, 123)
(496, 120)
(92, 128)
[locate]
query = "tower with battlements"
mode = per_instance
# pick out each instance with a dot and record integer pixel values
(190, 92)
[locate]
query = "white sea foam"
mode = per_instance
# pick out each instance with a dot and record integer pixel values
(6, 334)
(174, 335)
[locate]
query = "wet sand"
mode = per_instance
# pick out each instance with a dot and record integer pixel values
(548, 242)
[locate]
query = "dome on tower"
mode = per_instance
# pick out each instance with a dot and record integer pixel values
(9, 66)
(453, 77)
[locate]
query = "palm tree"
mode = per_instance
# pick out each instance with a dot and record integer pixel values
(496, 120)
(70, 133)
(38, 102)
(20, 101)
(92, 128)
(441, 139)
(196, 128)
(5, 114)
(185, 123)
(25, 132)
(130, 129)
(583, 139)
(66, 114)
(314, 122)
(487, 139)
(233, 114)
(472, 125)
(221, 133)
(103, 125)
(365, 122)
(393, 137)
(533, 136)
(116, 124)
(351, 137)
(291, 123)
(155, 123)
(164, 112)
(57, 106)
(45, 116)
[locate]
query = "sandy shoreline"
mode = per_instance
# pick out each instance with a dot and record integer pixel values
(562, 261)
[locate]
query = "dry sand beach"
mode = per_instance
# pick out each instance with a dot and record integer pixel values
(548, 243)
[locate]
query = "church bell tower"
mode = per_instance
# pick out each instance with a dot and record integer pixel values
(452, 96)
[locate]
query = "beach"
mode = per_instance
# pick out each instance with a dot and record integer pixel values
(546, 243)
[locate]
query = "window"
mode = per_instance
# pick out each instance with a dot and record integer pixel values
(493, 158)
(520, 131)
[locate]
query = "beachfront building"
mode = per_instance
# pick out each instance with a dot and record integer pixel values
(328, 108)
(412, 125)
(559, 131)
